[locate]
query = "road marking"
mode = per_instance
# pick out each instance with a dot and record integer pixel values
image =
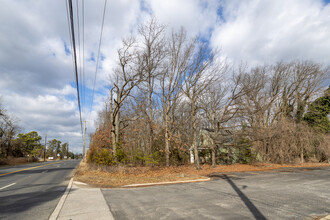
(7, 186)
(60, 204)
(30, 168)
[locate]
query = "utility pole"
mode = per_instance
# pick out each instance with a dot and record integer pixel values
(45, 147)
(84, 141)
(67, 152)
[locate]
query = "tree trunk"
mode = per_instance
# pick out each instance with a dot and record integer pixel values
(167, 143)
(116, 129)
(194, 127)
(151, 131)
(112, 126)
(230, 155)
(214, 149)
(113, 140)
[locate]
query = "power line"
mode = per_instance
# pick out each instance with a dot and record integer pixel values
(68, 21)
(75, 59)
(83, 63)
(98, 54)
(79, 58)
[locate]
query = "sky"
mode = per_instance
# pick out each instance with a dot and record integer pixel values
(37, 81)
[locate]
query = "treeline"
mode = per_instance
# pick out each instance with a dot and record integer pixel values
(167, 89)
(14, 144)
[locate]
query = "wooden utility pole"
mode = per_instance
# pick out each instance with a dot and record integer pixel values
(84, 141)
(45, 147)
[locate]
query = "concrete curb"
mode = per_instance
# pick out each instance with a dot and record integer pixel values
(60, 204)
(166, 183)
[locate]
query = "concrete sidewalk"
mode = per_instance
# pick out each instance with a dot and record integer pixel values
(82, 203)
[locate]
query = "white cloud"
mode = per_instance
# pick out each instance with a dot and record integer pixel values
(196, 16)
(48, 114)
(36, 74)
(269, 31)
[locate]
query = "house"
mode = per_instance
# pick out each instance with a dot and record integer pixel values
(206, 138)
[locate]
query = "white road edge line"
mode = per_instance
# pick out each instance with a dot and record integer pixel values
(7, 186)
(60, 204)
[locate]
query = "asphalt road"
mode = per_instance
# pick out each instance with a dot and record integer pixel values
(283, 194)
(32, 191)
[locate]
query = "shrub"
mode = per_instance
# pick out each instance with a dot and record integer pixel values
(142, 159)
(101, 156)
(121, 156)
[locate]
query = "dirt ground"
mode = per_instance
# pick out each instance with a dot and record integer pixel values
(108, 177)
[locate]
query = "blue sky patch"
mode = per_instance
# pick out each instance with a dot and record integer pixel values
(66, 49)
(92, 57)
(102, 57)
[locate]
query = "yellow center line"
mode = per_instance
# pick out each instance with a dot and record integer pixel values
(30, 168)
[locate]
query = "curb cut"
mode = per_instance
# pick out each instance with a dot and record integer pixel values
(60, 204)
(165, 183)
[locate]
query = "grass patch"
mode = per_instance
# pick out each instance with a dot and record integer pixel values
(117, 176)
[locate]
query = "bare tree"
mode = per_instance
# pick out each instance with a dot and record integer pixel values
(219, 104)
(126, 76)
(171, 82)
(178, 87)
(152, 54)
(275, 97)
(307, 78)
(199, 75)
(8, 130)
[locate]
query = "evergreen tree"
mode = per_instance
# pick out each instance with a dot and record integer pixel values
(318, 113)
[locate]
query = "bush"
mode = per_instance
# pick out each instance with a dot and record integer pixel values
(179, 157)
(286, 141)
(142, 159)
(101, 156)
(121, 156)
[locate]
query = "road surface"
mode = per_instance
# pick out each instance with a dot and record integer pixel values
(284, 194)
(32, 191)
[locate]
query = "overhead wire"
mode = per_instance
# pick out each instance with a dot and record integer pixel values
(68, 21)
(75, 59)
(98, 54)
(79, 57)
(83, 62)
(70, 38)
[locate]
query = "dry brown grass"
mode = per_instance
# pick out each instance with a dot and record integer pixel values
(16, 160)
(121, 176)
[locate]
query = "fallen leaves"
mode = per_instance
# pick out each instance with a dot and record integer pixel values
(120, 175)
